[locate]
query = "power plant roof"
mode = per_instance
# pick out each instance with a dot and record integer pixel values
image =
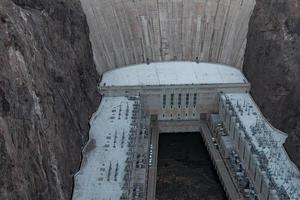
(267, 142)
(173, 73)
(104, 156)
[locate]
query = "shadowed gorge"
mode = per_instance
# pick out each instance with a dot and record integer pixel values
(52, 52)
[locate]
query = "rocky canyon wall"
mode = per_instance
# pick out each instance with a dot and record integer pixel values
(47, 94)
(272, 65)
(132, 31)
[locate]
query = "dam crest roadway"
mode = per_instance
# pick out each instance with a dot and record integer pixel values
(141, 101)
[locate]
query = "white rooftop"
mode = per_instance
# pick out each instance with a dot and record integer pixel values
(268, 141)
(104, 157)
(172, 73)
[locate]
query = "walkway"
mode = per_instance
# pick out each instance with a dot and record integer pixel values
(225, 178)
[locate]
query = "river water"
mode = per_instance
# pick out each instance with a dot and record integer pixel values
(185, 171)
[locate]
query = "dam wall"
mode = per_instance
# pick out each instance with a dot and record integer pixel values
(134, 31)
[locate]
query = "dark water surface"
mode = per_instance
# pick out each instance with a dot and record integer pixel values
(185, 171)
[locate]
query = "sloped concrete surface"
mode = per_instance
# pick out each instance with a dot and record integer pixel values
(130, 32)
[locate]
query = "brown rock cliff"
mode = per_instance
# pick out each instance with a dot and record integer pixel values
(272, 65)
(47, 94)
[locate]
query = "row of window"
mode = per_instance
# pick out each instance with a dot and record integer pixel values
(187, 100)
(178, 115)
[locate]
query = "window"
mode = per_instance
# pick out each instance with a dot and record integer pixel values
(195, 99)
(187, 100)
(179, 100)
(172, 100)
(261, 184)
(249, 162)
(233, 133)
(164, 101)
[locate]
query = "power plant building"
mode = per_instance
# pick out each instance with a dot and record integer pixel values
(120, 160)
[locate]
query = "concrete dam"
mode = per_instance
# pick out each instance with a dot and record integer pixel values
(134, 31)
(166, 83)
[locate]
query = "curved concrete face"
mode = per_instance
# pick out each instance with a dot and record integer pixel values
(130, 31)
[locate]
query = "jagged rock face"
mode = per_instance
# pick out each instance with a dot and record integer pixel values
(47, 94)
(272, 65)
